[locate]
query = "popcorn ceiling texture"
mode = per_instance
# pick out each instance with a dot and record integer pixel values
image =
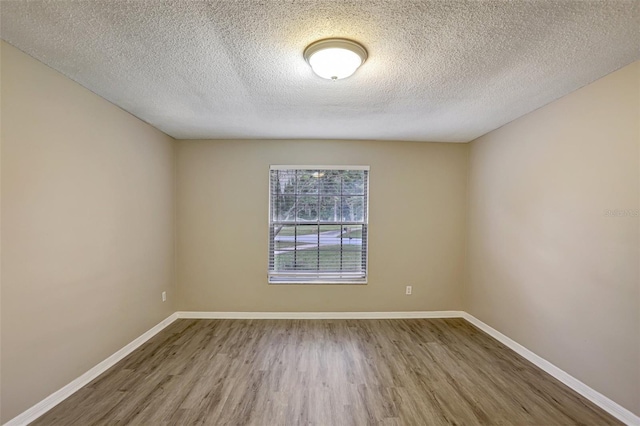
(445, 71)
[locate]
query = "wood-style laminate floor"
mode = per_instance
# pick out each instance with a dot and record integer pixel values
(324, 372)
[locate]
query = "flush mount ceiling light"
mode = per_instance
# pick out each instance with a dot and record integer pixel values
(335, 58)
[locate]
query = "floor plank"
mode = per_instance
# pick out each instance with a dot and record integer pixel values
(324, 372)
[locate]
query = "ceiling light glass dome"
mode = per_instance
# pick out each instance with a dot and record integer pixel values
(335, 58)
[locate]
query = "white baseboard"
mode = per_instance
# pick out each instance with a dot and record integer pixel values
(592, 395)
(597, 398)
(60, 395)
(320, 315)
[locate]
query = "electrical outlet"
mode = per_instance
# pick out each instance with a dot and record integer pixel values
(164, 296)
(408, 291)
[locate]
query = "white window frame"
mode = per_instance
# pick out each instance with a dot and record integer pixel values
(329, 277)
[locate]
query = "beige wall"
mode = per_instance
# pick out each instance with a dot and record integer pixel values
(417, 220)
(87, 230)
(547, 267)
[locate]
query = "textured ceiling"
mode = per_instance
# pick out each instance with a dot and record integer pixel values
(437, 70)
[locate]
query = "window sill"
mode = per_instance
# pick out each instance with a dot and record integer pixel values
(314, 282)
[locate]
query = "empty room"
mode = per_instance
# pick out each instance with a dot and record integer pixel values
(320, 212)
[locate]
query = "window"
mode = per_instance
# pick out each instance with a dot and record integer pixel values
(318, 218)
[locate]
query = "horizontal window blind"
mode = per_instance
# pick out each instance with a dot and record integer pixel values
(318, 224)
